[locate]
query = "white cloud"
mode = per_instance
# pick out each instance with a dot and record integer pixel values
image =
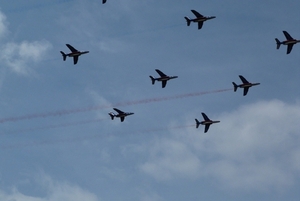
(254, 147)
(99, 100)
(56, 191)
(171, 157)
(19, 56)
(3, 24)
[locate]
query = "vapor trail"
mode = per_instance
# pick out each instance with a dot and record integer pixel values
(82, 138)
(51, 126)
(100, 107)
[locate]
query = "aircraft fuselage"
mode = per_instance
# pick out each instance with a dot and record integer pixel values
(248, 85)
(289, 42)
(202, 19)
(74, 54)
(208, 122)
(123, 115)
(166, 78)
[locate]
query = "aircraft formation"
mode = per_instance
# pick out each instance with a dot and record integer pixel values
(163, 78)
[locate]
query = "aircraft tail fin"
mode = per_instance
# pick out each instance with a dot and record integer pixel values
(197, 123)
(277, 43)
(235, 86)
(64, 55)
(152, 79)
(111, 115)
(188, 21)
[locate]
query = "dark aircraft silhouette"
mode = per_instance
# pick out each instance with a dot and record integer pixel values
(163, 78)
(103, 1)
(246, 85)
(290, 42)
(120, 114)
(207, 122)
(199, 18)
(74, 53)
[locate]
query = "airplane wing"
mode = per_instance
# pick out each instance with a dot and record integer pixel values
(118, 111)
(122, 119)
(71, 48)
(289, 48)
(164, 83)
(75, 58)
(243, 79)
(205, 117)
(200, 24)
(246, 89)
(198, 15)
(160, 73)
(206, 128)
(287, 35)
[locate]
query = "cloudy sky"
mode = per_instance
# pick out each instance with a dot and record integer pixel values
(58, 143)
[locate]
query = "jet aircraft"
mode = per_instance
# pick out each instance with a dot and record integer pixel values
(207, 122)
(163, 78)
(246, 85)
(199, 18)
(290, 42)
(74, 53)
(120, 114)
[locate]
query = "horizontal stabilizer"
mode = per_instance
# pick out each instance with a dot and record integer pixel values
(188, 21)
(64, 55)
(235, 86)
(152, 79)
(197, 123)
(111, 115)
(277, 43)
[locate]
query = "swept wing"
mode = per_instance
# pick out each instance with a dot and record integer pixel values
(287, 35)
(200, 24)
(118, 111)
(206, 128)
(71, 48)
(160, 73)
(75, 59)
(205, 117)
(164, 83)
(243, 79)
(246, 89)
(198, 15)
(289, 48)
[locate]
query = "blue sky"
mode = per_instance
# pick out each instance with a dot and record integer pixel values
(59, 143)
